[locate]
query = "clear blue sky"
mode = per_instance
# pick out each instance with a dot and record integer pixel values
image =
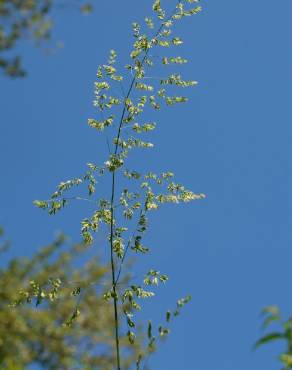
(232, 251)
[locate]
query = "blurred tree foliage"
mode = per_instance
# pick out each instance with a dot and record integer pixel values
(27, 19)
(283, 333)
(71, 330)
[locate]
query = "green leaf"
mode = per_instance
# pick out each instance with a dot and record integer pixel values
(163, 331)
(156, 6)
(149, 22)
(131, 337)
(272, 313)
(286, 359)
(288, 324)
(41, 204)
(177, 41)
(269, 338)
(272, 310)
(118, 247)
(149, 330)
(101, 125)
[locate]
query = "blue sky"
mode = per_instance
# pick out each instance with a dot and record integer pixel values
(232, 251)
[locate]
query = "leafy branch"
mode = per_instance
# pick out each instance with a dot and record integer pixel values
(272, 315)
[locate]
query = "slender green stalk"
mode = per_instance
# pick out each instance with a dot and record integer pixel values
(114, 282)
(113, 188)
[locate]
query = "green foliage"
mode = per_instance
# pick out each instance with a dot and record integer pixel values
(272, 316)
(72, 317)
(20, 19)
(126, 211)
